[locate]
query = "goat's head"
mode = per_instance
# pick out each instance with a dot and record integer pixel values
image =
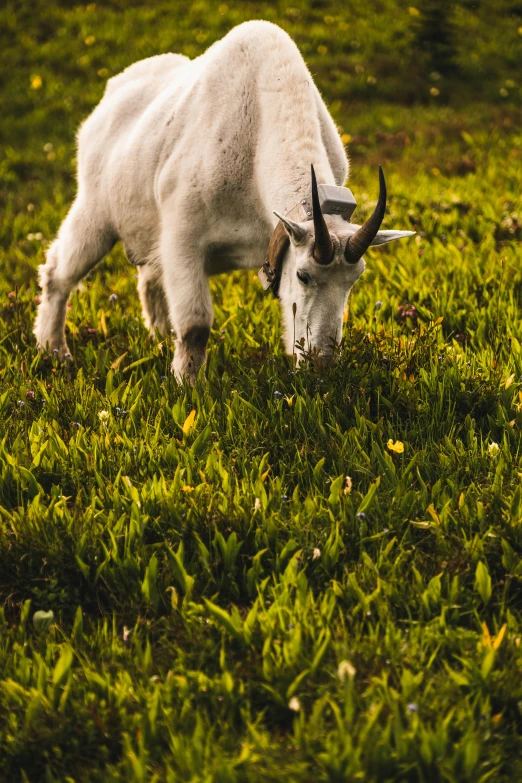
(324, 260)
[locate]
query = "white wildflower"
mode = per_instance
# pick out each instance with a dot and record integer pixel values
(493, 449)
(317, 553)
(257, 504)
(294, 704)
(346, 669)
(103, 415)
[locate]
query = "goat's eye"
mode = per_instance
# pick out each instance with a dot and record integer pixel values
(303, 277)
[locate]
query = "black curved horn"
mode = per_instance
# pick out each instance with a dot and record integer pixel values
(359, 242)
(323, 248)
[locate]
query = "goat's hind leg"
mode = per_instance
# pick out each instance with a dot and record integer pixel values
(153, 299)
(81, 242)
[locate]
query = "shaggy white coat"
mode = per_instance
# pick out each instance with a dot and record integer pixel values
(185, 161)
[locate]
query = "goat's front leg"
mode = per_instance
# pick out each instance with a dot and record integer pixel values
(190, 306)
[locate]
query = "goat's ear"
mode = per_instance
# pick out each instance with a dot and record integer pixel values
(383, 237)
(295, 231)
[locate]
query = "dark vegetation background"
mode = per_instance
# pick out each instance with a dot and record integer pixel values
(221, 602)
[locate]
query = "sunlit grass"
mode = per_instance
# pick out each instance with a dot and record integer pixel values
(277, 573)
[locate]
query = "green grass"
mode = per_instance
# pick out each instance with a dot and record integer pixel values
(210, 573)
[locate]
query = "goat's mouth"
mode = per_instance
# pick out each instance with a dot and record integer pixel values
(325, 360)
(319, 357)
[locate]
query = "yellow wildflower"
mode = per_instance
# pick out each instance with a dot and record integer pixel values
(189, 424)
(397, 447)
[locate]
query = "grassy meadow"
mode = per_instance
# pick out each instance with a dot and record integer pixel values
(276, 574)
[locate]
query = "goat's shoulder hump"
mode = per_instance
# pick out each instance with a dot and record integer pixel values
(258, 32)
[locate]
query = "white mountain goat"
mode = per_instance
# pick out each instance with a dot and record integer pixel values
(186, 161)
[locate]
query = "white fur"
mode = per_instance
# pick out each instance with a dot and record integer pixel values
(185, 161)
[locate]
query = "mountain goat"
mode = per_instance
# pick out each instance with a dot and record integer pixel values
(197, 167)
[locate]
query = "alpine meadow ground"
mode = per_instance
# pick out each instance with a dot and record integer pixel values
(280, 573)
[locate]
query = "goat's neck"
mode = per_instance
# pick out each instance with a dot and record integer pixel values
(291, 181)
(290, 141)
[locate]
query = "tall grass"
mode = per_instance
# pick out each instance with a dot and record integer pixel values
(276, 573)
